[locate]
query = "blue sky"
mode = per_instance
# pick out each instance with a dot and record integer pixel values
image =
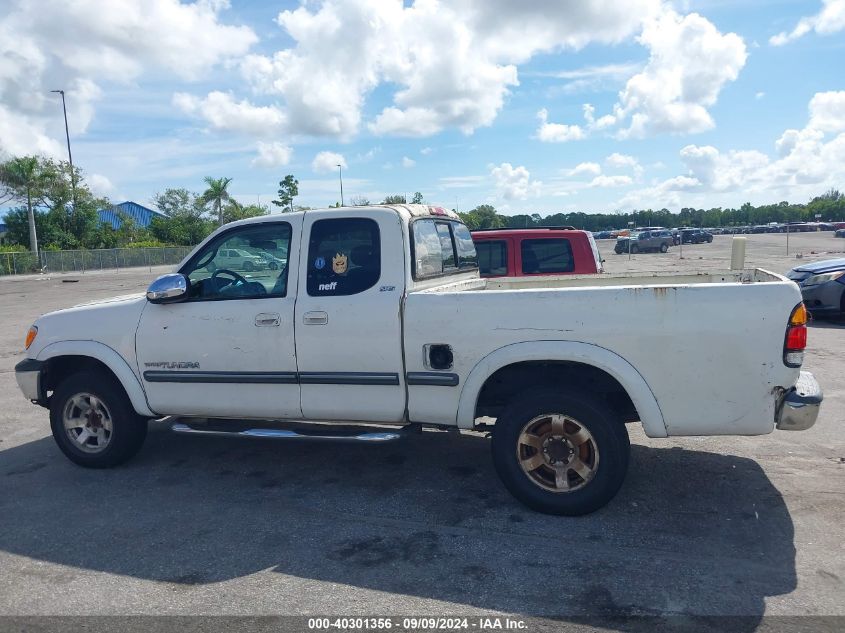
(697, 103)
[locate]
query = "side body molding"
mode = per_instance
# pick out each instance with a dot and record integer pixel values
(110, 359)
(586, 353)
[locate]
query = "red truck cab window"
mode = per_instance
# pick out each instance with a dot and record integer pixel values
(537, 251)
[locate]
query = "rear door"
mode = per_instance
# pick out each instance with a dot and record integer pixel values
(348, 316)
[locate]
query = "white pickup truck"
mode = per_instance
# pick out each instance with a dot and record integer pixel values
(379, 316)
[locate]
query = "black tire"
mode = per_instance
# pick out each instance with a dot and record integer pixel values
(248, 267)
(664, 247)
(608, 433)
(128, 428)
(273, 266)
(635, 248)
(618, 250)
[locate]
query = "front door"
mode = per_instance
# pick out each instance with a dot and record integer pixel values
(348, 317)
(228, 349)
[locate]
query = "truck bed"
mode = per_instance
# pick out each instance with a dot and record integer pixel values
(714, 339)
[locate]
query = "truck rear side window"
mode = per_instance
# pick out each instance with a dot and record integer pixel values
(547, 256)
(344, 257)
(492, 258)
(441, 247)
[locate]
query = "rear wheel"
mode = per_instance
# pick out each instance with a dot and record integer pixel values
(618, 250)
(248, 266)
(560, 452)
(93, 421)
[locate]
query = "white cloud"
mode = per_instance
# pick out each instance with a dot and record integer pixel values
(460, 182)
(830, 19)
(759, 95)
(100, 185)
(690, 62)
(407, 163)
(584, 169)
(514, 182)
(326, 162)
(272, 155)
(611, 181)
(222, 112)
(78, 45)
(425, 151)
(807, 162)
(620, 161)
(450, 65)
(557, 132)
(827, 111)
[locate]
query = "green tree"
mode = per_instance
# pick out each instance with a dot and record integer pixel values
(417, 198)
(483, 216)
(395, 199)
(179, 202)
(288, 190)
(23, 179)
(215, 195)
(235, 211)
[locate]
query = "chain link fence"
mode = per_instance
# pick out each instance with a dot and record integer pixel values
(26, 263)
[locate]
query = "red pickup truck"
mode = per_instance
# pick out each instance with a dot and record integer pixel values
(553, 250)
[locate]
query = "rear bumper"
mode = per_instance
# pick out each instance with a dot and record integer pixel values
(30, 376)
(799, 407)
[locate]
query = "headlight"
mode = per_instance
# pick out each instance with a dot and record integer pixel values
(30, 336)
(820, 279)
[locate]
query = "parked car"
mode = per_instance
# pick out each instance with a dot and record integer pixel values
(695, 236)
(394, 326)
(839, 233)
(822, 286)
(540, 251)
(236, 259)
(645, 241)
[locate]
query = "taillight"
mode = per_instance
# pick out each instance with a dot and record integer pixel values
(796, 337)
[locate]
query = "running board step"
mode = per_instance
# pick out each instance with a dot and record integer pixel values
(287, 434)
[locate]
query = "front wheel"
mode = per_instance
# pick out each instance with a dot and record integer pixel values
(559, 452)
(635, 248)
(248, 266)
(93, 421)
(664, 247)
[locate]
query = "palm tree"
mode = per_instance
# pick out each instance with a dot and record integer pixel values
(24, 177)
(216, 195)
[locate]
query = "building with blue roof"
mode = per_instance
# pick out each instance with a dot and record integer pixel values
(141, 215)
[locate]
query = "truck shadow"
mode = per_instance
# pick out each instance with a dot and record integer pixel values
(692, 533)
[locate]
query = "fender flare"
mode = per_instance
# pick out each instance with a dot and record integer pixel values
(631, 380)
(111, 359)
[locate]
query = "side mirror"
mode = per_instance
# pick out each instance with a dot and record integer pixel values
(168, 288)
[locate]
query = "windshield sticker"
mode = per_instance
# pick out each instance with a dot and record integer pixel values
(327, 287)
(339, 264)
(320, 263)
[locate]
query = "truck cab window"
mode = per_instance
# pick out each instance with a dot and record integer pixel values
(344, 257)
(546, 256)
(492, 258)
(249, 262)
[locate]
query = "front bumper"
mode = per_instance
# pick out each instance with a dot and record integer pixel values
(799, 407)
(823, 298)
(30, 376)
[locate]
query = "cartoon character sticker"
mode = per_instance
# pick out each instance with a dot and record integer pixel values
(340, 264)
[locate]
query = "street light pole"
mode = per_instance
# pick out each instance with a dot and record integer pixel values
(340, 176)
(69, 155)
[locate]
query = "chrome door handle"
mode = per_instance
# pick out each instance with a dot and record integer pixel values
(268, 319)
(315, 318)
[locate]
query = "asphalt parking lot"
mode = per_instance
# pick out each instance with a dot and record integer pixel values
(703, 526)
